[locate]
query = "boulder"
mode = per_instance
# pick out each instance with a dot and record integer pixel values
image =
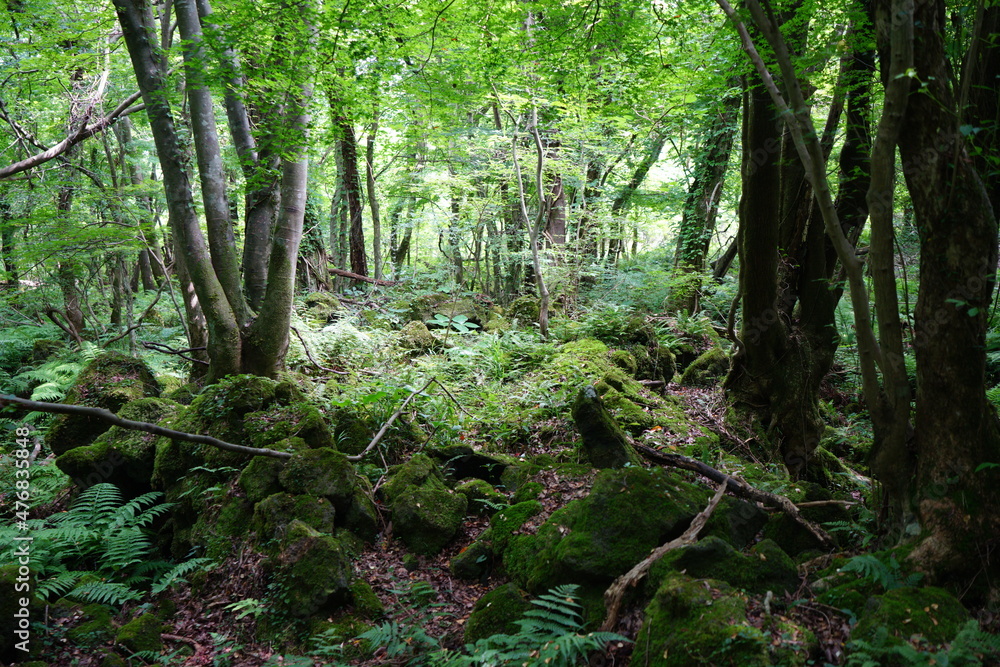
(497, 613)
(604, 442)
(426, 514)
(314, 570)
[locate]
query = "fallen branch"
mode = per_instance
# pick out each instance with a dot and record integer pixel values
(7, 400)
(309, 354)
(166, 349)
(365, 279)
(385, 426)
(613, 596)
(738, 487)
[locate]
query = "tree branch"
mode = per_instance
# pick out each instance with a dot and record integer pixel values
(7, 400)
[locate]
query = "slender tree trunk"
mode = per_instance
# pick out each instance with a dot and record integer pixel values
(351, 189)
(373, 201)
(616, 243)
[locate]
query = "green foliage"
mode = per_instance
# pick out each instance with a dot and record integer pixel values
(550, 635)
(458, 323)
(887, 575)
(100, 550)
(971, 647)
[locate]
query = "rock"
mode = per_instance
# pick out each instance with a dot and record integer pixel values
(624, 361)
(279, 422)
(42, 349)
(930, 612)
(108, 381)
(259, 478)
(361, 516)
(482, 498)
(120, 456)
(474, 563)
(426, 514)
(735, 521)
(320, 472)
(629, 512)
(418, 339)
(655, 362)
(461, 461)
(706, 369)
(93, 625)
(314, 570)
(322, 306)
(274, 513)
(691, 622)
(365, 602)
(496, 613)
(142, 634)
(765, 568)
(524, 309)
(604, 442)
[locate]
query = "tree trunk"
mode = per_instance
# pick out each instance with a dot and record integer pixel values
(351, 184)
(616, 243)
(373, 201)
(956, 428)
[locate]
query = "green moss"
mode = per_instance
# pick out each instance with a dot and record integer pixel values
(42, 349)
(624, 361)
(274, 513)
(426, 517)
(629, 512)
(141, 634)
(932, 613)
(508, 520)
(604, 442)
(352, 429)
(482, 498)
(120, 456)
(417, 471)
(474, 563)
(322, 306)
(95, 626)
(496, 613)
(630, 416)
(791, 536)
(765, 568)
(313, 572)
(735, 521)
(297, 420)
(320, 472)
(689, 623)
(364, 600)
(259, 478)
(527, 491)
(846, 596)
(707, 369)
(417, 338)
(361, 516)
(524, 309)
(108, 381)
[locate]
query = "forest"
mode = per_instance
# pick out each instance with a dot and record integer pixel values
(510, 332)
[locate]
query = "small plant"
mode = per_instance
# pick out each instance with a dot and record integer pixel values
(888, 576)
(459, 323)
(971, 647)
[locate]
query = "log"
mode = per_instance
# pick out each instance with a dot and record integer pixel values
(357, 276)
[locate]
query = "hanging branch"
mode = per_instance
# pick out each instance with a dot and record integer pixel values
(166, 349)
(613, 596)
(739, 488)
(385, 426)
(7, 400)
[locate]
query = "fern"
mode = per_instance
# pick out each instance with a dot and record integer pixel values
(888, 576)
(104, 592)
(178, 572)
(971, 647)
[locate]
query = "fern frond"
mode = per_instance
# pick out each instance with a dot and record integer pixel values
(179, 571)
(104, 592)
(58, 585)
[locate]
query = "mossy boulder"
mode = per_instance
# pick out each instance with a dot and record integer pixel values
(735, 521)
(790, 535)
(482, 498)
(42, 349)
(930, 614)
(142, 634)
(320, 472)
(497, 613)
(295, 420)
(628, 512)
(426, 514)
(765, 568)
(625, 361)
(417, 338)
(461, 461)
(120, 456)
(361, 516)
(707, 369)
(654, 363)
(352, 428)
(604, 443)
(474, 563)
(313, 571)
(272, 515)
(692, 622)
(259, 479)
(364, 600)
(524, 309)
(108, 381)
(93, 627)
(322, 306)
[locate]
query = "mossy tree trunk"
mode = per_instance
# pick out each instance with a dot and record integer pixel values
(956, 427)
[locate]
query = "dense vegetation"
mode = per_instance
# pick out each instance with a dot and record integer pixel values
(459, 333)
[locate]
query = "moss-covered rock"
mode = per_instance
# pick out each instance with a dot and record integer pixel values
(735, 521)
(352, 429)
(461, 461)
(322, 306)
(604, 442)
(272, 515)
(120, 456)
(628, 512)
(625, 361)
(933, 614)
(654, 363)
(706, 369)
(427, 517)
(366, 604)
(294, 420)
(108, 381)
(417, 338)
(790, 535)
(474, 563)
(259, 479)
(496, 613)
(361, 516)
(693, 622)
(313, 571)
(765, 568)
(320, 472)
(94, 626)
(482, 498)
(524, 309)
(42, 349)
(142, 634)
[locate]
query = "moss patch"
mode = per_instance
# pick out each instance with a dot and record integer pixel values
(496, 613)
(765, 568)
(932, 613)
(707, 369)
(320, 472)
(313, 572)
(274, 513)
(142, 634)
